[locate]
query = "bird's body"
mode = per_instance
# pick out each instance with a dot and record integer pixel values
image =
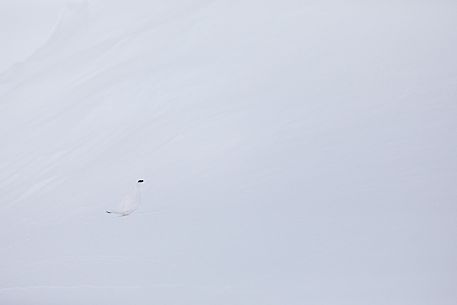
(130, 203)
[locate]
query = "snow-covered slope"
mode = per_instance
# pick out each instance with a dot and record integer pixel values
(294, 152)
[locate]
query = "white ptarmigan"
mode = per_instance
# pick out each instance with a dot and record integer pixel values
(130, 203)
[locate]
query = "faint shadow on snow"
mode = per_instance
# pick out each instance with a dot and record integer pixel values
(73, 21)
(69, 41)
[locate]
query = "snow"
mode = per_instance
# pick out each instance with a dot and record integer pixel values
(295, 152)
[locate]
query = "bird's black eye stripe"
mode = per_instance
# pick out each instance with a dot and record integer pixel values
(140, 181)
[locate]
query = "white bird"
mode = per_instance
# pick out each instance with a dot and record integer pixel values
(130, 202)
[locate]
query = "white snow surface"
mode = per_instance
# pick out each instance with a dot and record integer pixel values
(295, 152)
